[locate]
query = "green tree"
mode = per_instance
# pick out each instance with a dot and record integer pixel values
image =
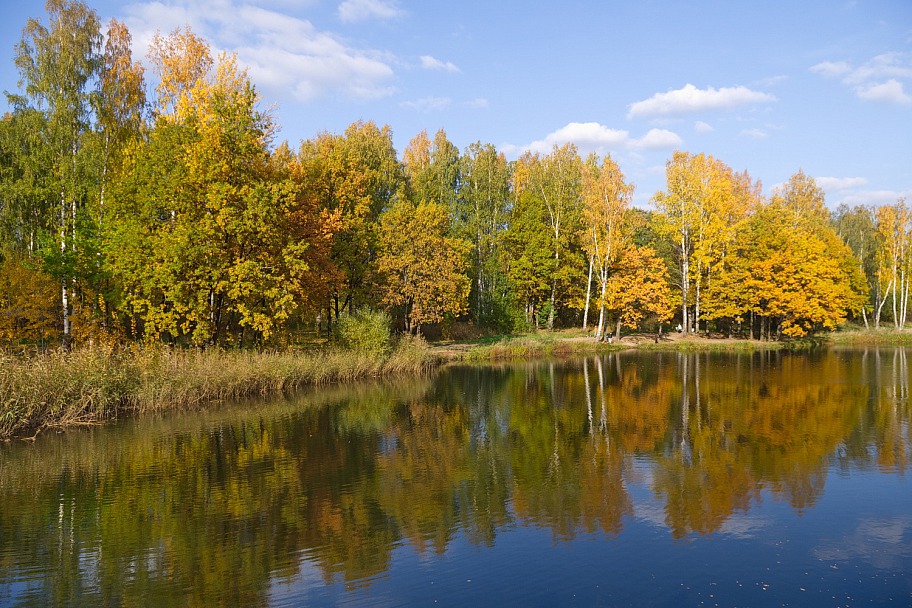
(483, 209)
(58, 66)
(554, 183)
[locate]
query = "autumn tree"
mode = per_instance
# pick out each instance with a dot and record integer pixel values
(792, 278)
(358, 175)
(213, 235)
(637, 288)
(424, 267)
(604, 235)
(894, 239)
(553, 184)
(700, 211)
(432, 169)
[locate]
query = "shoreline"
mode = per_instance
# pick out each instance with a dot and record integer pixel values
(95, 386)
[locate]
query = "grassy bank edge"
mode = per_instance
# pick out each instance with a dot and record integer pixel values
(91, 386)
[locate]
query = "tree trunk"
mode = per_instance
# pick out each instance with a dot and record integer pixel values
(685, 285)
(588, 296)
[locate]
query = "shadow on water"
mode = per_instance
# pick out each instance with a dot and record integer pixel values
(326, 490)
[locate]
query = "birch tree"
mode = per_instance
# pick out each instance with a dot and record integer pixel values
(606, 200)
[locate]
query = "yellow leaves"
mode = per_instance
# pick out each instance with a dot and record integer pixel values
(424, 269)
(28, 309)
(639, 287)
(182, 60)
(606, 199)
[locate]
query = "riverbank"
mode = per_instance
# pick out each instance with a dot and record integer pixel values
(92, 386)
(95, 385)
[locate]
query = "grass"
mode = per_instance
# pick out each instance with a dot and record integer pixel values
(535, 345)
(89, 386)
(871, 337)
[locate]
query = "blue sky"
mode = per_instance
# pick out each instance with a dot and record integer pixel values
(771, 87)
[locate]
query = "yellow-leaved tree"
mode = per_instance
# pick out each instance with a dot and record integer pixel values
(425, 270)
(604, 234)
(638, 287)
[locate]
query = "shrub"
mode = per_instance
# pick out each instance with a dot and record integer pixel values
(365, 330)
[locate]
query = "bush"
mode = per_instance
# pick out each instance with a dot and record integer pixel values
(365, 330)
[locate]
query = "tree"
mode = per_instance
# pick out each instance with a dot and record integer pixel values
(121, 104)
(554, 182)
(794, 278)
(58, 65)
(424, 267)
(701, 209)
(606, 200)
(638, 287)
(857, 227)
(482, 213)
(357, 175)
(433, 170)
(230, 230)
(895, 256)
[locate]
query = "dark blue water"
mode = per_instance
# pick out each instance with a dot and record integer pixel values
(773, 479)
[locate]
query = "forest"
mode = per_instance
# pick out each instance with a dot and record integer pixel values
(158, 206)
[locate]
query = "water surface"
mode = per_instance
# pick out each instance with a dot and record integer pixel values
(632, 479)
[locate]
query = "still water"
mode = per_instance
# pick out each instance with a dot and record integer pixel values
(632, 479)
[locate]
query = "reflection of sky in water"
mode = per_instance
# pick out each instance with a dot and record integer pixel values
(883, 543)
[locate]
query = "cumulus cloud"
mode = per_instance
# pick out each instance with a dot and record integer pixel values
(362, 10)
(690, 99)
(840, 183)
(427, 104)
(431, 63)
(282, 52)
(891, 91)
(703, 127)
(881, 78)
(595, 137)
(657, 139)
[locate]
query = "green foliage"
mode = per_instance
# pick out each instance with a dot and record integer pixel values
(364, 330)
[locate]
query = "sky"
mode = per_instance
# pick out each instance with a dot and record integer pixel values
(824, 86)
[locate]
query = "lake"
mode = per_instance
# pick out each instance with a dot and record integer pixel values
(627, 479)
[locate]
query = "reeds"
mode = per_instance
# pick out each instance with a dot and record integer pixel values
(95, 385)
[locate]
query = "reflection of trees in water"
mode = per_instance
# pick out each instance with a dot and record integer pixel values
(212, 514)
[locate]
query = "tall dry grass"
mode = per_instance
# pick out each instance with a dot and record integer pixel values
(94, 385)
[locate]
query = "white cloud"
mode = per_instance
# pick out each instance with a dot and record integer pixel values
(840, 183)
(427, 104)
(891, 91)
(595, 137)
(703, 127)
(477, 103)
(874, 197)
(658, 139)
(361, 10)
(430, 63)
(586, 135)
(878, 79)
(690, 99)
(755, 133)
(282, 52)
(831, 68)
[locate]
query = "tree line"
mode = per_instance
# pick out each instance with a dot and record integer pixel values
(170, 213)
